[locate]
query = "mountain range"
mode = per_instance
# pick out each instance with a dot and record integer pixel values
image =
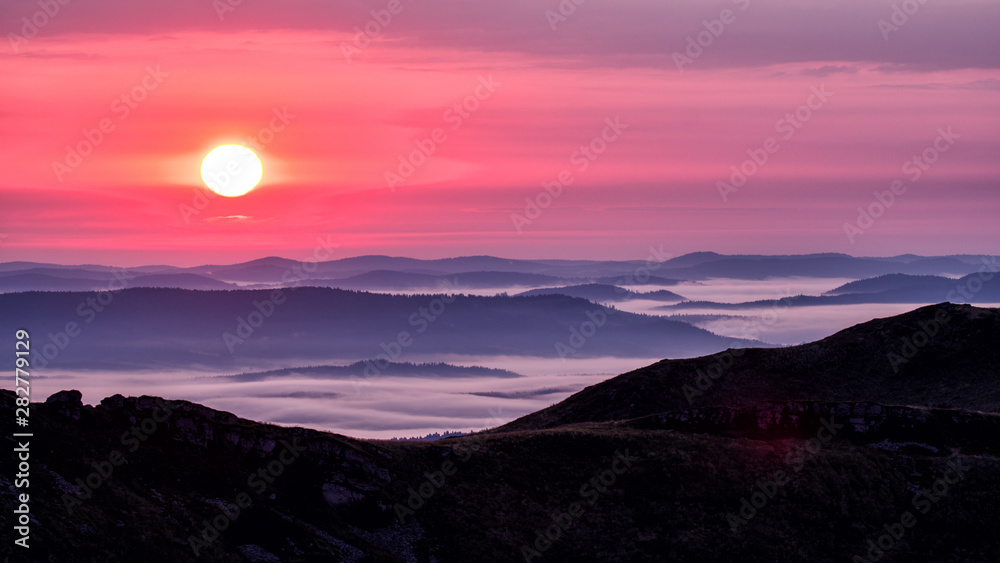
(832, 451)
(227, 330)
(385, 273)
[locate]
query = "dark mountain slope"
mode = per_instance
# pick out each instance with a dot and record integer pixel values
(673, 489)
(893, 361)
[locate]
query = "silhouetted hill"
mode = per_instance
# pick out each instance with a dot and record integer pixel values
(632, 280)
(911, 359)
(392, 369)
(889, 282)
(604, 293)
(972, 287)
(142, 479)
(21, 265)
(891, 288)
(102, 281)
(270, 269)
(58, 272)
(818, 266)
(387, 280)
(694, 266)
(231, 329)
(179, 281)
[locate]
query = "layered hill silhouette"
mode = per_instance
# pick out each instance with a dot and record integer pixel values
(890, 288)
(703, 265)
(388, 280)
(387, 273)
(602, 293)
(392, 369)
(902, 288)
(43, 279)
(141, 328)
(790, 456)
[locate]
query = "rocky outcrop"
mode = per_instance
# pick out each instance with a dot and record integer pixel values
(67, 403)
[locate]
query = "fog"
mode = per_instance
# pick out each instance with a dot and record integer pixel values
(385, 407)
(739, 291)
(773, 324)
(380, 407)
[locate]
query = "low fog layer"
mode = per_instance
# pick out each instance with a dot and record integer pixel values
(378, 407)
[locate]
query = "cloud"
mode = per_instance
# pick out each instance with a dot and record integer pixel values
(827, 70)
(985, 84)
(619, 33)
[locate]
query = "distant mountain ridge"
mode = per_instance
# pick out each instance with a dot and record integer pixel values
(149, 327)
(693, 266)
(889, 288)
(94, 281)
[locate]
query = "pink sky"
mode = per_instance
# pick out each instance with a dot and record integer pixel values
(223, 80)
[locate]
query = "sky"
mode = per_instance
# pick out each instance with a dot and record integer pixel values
(524, 128)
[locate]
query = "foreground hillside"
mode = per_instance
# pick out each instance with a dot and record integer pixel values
(787, 477)
(943, 354)
(645, 490)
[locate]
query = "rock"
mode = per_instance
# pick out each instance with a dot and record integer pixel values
(72, 397)
(113, 402)
(67, 403)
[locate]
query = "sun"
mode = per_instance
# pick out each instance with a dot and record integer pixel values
(231, 170)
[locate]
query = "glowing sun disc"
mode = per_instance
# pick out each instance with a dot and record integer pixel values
(231, 170)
